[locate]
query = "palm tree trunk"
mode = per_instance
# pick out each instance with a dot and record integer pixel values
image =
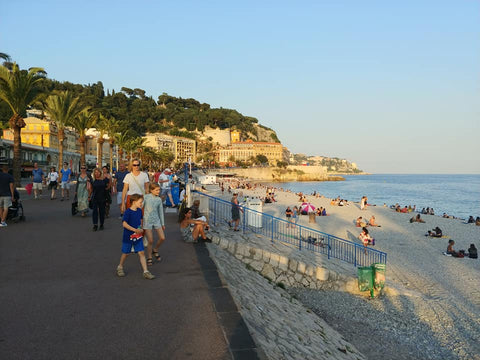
(100, 152)
(111, 155)
(61, 137)
(120, 154)
(17, 155)
(82, 141)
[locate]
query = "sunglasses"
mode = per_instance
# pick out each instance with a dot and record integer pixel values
(83, 168)
(135, 164)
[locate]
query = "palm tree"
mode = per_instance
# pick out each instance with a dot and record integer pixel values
(5, 57)
(84, 121)
(63, 108)
(19, 89)
(110, 125)
(122, 139)
(102, 128)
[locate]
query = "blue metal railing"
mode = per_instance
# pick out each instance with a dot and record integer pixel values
(302, 237)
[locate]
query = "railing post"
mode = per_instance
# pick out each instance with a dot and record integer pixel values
(300, 239)
(244, 218)
(355, 257)
(272, 227)
(328, 247)
(215, 212)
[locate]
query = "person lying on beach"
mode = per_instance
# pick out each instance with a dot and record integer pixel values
(437, 232)
(472, 252)
(372, 222)
(417, 219)
(360, 222)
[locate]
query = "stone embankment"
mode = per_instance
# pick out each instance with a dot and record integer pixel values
(286, 271)
(291, 173)
(279, 323)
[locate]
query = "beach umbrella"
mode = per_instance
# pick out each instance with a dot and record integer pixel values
(307, 207)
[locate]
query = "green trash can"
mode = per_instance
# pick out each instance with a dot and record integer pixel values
(365, 278)
(379, 275)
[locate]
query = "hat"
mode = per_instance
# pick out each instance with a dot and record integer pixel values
(167, 170)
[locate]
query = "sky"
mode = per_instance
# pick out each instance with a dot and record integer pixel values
(391, 86)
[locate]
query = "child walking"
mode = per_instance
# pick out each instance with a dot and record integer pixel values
(153, 220)
(132, 236)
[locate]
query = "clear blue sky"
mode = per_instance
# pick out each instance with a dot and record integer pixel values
(392, 86)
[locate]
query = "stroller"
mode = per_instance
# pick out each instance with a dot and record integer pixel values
(15, 211)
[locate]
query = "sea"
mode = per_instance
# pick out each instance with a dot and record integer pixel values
(455, 195)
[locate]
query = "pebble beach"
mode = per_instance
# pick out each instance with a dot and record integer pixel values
(430, 308)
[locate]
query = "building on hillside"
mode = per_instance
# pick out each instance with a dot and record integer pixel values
(286, 155)
(183, 149)
(245, 150)
(234, 136)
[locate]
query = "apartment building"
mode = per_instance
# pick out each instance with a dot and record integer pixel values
(183, 149)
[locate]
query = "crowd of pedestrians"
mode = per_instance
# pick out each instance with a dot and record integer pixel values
(141, 203)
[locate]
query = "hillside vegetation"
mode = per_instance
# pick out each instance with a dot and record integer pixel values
(168, 114)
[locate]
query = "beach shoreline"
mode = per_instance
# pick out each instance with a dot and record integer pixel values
(424, 287)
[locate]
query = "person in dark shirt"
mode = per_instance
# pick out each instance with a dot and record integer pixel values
(98, 194)
(472, 252)
(6, 194)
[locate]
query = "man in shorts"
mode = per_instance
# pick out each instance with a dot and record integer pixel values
(6, 194)
(118, 184)
(37, 179)
(65, 185)
(164, 180)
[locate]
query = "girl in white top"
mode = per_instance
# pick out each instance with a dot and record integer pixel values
(52, 179)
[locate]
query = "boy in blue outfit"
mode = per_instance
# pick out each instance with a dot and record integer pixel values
(133, 236)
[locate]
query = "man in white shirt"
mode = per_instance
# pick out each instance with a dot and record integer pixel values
(135, 182)
(164, 180)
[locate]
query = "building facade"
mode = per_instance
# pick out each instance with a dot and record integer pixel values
(245, 150)
(183, 149)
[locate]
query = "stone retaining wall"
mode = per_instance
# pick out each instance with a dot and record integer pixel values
(289, 272)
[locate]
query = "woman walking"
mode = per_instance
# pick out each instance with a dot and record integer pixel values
(82, 190)
(108, 195)
(99, 188)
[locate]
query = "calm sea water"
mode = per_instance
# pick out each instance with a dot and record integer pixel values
(457, 195)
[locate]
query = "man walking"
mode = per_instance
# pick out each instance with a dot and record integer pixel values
(164, 180)
(66, 173)
(6, 194)
(37, 178)
(135, 182)
(118, 184)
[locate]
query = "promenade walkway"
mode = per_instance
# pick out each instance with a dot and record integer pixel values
(60, 297)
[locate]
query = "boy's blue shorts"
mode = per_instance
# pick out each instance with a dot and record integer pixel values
(137, 246)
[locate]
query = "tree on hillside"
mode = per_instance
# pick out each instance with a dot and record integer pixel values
(262, 159)
(19, 89)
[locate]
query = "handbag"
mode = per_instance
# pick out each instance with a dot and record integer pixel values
(74, 207)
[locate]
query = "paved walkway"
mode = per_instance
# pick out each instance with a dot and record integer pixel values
(60, 297)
